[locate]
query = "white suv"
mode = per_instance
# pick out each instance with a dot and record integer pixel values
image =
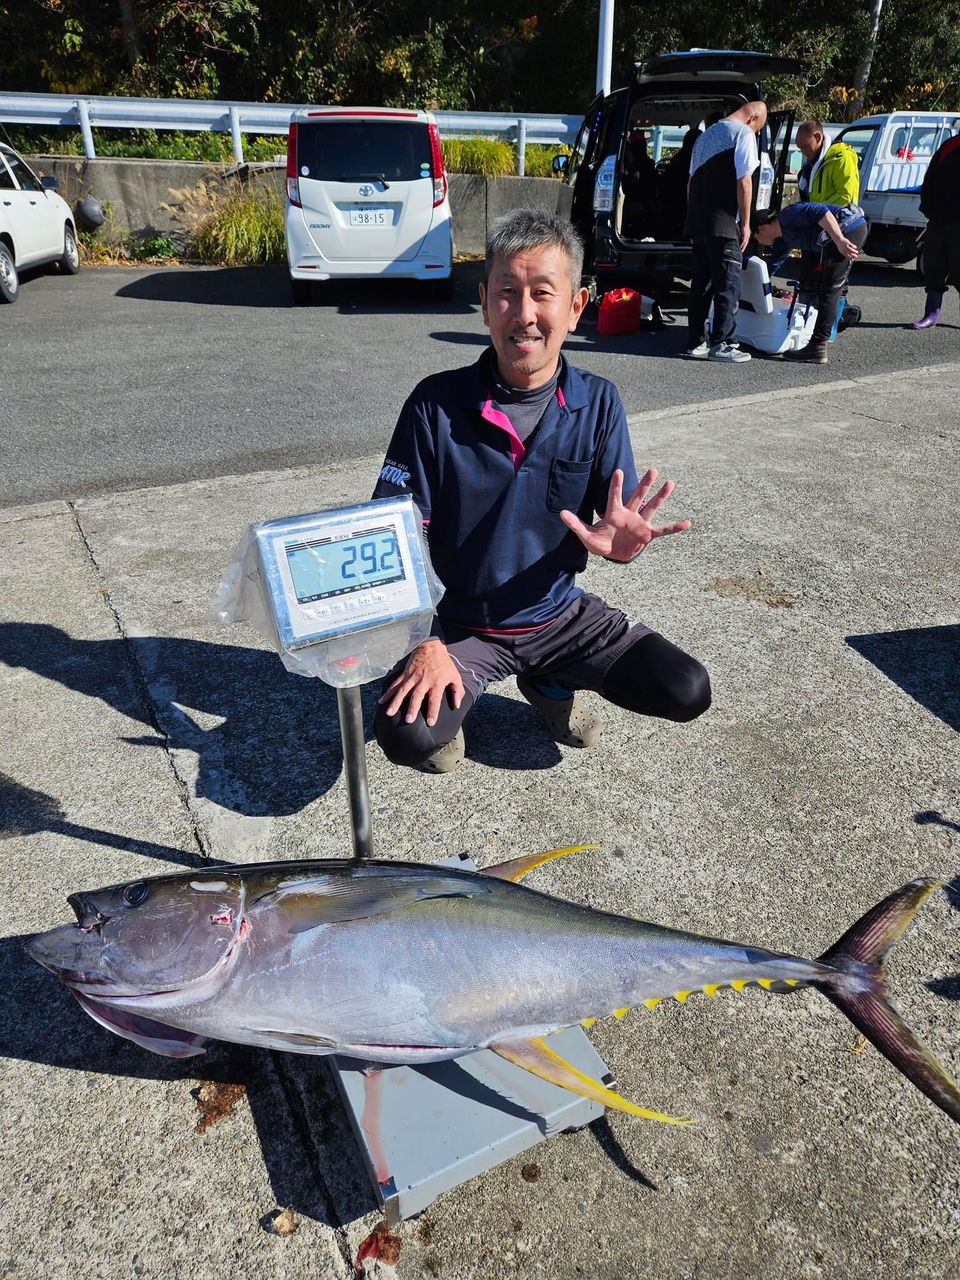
(36, 225)
(367, 197)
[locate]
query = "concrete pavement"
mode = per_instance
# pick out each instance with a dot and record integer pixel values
(819, 585)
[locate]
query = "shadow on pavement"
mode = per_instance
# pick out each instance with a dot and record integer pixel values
(273, 745)
(269, 288)
(923, 661)
(24, 812)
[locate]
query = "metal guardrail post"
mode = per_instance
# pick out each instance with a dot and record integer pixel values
(237, 135)
(521, 147)
(83, 111)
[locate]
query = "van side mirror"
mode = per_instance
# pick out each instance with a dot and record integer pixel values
(560, 164)
(49, 184)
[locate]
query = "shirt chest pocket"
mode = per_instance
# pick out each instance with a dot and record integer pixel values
(567, 485)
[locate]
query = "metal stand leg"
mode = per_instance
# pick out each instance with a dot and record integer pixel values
(350, 709)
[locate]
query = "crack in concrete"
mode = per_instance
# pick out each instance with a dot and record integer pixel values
(301, 1124)
(203, 844)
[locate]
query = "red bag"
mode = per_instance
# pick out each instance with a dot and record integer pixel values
(619, 312)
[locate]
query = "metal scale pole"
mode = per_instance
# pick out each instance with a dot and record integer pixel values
(350, 709)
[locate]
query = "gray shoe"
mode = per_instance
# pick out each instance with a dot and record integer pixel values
(446, 758)
(699, 352)
(728, 353)
(570, 720)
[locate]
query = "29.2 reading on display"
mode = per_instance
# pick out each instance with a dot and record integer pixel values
(335, 567)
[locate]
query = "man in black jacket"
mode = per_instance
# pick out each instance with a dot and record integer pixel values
(940, 201)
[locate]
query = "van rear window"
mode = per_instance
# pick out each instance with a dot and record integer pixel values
(349, 151)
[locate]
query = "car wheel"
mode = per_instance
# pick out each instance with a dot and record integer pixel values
(300, 292)
(69, 262)
(9, 280)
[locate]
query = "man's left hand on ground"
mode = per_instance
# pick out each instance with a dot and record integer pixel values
(624, 529)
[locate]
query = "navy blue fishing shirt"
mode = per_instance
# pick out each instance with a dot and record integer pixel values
(492, 503)
(800, 224)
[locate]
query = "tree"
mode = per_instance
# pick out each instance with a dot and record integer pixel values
(862, 74)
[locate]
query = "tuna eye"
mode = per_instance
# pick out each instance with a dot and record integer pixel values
(135, 894)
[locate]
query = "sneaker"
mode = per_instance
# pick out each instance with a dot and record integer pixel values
(446, 758)
(568, 718)
(729, 353)
(698, 353)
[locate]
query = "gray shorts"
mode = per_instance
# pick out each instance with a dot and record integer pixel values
(577, 649)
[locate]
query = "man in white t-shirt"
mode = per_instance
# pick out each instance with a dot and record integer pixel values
(718, 223)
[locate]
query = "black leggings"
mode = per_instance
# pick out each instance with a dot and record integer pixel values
(653, 678)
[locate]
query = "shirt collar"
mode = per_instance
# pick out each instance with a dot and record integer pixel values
(477, 391)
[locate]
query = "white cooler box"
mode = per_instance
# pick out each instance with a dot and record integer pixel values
(770, 324)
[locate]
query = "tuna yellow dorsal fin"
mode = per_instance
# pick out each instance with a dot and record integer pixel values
(517, 868)
(536, 1056)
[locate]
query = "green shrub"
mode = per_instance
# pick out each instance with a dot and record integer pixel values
(242, 225)
(152, 247)
(538, 161)
(487, 156)
(479, 155)
(495, 159)
(150, 144)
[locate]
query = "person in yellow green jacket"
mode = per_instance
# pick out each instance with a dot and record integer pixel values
(830, 175)
(831, 171)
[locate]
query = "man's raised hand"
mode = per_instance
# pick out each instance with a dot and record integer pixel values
(624, 529)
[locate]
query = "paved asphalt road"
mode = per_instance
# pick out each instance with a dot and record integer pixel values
(125, 377)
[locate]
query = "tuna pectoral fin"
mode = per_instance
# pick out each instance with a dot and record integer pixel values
(304, 904)
(861, 992)
(517, 868)
(536, 1056)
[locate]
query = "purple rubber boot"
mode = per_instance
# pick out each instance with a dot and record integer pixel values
(931, 312)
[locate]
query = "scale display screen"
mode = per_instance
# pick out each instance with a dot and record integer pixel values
(325, 567)
(346, 570)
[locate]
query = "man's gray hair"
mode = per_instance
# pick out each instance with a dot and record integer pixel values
(526, 229)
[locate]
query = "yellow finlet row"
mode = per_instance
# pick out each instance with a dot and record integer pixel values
(709, 989)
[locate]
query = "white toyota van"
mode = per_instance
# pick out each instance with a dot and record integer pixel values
(367, 197)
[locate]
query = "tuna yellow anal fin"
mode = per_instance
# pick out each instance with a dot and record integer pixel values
(536, 1056)
(517, 868)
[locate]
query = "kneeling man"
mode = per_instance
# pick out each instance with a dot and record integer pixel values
(509, 462)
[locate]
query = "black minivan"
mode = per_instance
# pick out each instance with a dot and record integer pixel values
(628, 203)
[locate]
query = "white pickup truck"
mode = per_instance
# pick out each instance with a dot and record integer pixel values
(894, 151)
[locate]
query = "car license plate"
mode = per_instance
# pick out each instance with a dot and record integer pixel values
(370, 217)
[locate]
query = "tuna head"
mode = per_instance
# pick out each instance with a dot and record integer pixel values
(147, 947)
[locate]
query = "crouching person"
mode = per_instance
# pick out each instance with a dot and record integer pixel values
(509, 461)
(838, 234)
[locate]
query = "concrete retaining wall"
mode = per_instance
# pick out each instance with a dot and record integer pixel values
(138, 190)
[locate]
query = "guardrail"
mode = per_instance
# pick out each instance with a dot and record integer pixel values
(190, 115)
(193, 115)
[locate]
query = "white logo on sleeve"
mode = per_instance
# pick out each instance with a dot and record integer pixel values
(394, 473)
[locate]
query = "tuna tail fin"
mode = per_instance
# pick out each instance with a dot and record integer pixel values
(861, 992)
